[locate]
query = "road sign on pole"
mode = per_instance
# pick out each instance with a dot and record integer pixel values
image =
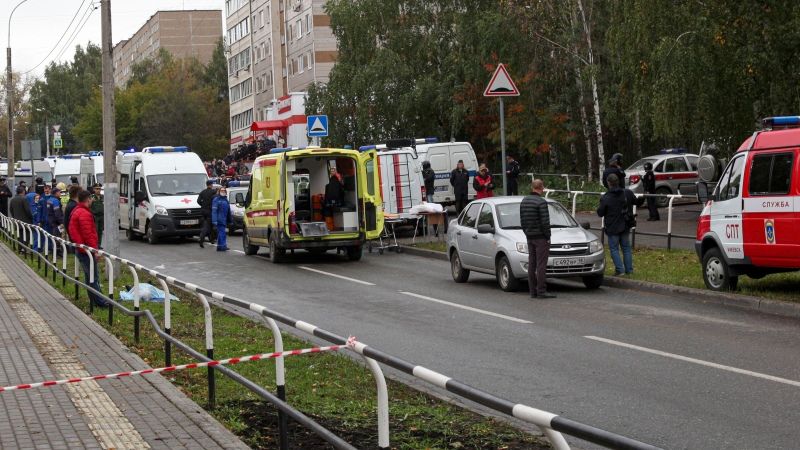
(58, 143)
(317, 126)
(56, 128)
(501, 86)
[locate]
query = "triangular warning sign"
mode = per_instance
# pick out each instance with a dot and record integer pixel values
(56, 128)
(501, 84)
(317, 125)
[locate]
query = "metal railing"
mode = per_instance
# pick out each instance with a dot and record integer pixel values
(670, 208)
(551, 425)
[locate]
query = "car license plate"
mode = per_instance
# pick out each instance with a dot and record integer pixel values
(190, 222)
(562, 262)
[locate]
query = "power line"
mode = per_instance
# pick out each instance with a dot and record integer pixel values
(77, 31)
(59, 39)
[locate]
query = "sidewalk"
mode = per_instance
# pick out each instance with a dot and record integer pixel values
(43, 337)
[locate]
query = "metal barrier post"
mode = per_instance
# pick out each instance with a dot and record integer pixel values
(669, 224)
(91, 276)
(135, 303)
(76, 277)
(63, 265)
(280, 381)
(575, 203)
(383, 396)
(39, 258)
(212, 391)
(110, 270)
(167, 320)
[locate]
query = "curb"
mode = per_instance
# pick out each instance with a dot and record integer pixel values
(764, 305)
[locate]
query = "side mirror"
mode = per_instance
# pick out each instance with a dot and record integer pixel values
(239, 199)
(702, 192)
(485, 228)
(586, 225)
(139, 197)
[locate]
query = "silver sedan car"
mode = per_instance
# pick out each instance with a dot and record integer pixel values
(487, 237)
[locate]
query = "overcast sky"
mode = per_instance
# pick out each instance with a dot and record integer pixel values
(37, 26)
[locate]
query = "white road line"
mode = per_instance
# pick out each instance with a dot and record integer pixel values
(238, 251)
(468, 308)
(336, 276)
(697, 361)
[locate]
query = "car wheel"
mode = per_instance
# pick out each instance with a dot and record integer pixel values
(716, 273)
(592, 281)
(460, 274)
(130, 235)
(152, 238)
(276, 254)
(354, 252)
(662, 202)
(249, 249)
(505, 276)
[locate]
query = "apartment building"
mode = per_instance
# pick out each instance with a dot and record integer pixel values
(275, 50)
(182, 33)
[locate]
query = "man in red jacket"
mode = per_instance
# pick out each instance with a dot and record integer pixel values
(82, 231)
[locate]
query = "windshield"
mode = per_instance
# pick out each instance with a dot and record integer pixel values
(176, 184)
(639, 165)
(508, 216)
(232, 194)
(66, 179)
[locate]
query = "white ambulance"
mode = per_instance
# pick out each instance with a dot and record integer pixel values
(402, 186)
(749, 223)
(67, 166)
(158, 189)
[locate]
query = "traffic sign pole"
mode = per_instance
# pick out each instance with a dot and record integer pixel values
(503, 146)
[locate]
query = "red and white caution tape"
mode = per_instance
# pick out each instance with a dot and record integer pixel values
(350, 343)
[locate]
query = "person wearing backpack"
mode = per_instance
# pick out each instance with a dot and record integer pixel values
(616, 208)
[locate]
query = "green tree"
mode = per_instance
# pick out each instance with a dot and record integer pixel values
(216, 72)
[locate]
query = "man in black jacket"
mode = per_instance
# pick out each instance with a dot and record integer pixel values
(5, 196)
(534, 217)
(21, 210)
(613, 205)
(205, 199)
(649, 185)
(614, 169)
(512, 172)
(459, 179)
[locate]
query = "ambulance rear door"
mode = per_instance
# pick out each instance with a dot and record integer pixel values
(369, 194)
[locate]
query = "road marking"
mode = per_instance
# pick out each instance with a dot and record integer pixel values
(697, 361)
(238, 251)
(468, 308)
(336, 276)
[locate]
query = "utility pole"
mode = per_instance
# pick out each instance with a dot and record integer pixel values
(111, 191)
(10, 98)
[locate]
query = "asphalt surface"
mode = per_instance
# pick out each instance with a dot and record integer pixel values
(725, 377)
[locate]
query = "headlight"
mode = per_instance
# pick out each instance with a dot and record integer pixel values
(595, 246)
(238, 214)
(160, 210)
(522, 247)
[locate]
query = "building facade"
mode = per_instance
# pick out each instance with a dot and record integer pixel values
(275, 49)
(182, 33)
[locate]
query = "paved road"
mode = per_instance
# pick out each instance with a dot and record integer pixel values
(709, 388)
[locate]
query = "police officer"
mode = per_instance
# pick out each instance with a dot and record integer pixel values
(614, 169)
(649, 184)
(5, 196)
(98, 211)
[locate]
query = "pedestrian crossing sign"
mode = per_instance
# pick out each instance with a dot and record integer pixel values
(58, 143)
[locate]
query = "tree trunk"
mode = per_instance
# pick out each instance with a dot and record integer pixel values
(595, 93)
(638, 135)
(585, 125)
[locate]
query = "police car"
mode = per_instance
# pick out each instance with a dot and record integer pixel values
(237, 211)
(675, 171)
(748, 225)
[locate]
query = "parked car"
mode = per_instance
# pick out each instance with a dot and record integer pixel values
(487, 238)
(675, 170)
(237, 211)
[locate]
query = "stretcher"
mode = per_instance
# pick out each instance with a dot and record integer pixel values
(388, 238)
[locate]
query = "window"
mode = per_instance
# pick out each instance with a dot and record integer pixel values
(308, 59)
(242, 120)
(299, 28)
(269, 46)
(693, 162)
(771, 174)
(261, 19)
(300, 68)
(370, 166)
(470, 217)
(308, 23)
(676, 165)
(123, 185)
(289, 28)
(487, 216)
(294, 67)
(264, 81)
(731, 180)
(237, 31)
(263, 50)
(241, 90)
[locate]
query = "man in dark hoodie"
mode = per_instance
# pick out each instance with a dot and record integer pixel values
(429, 176)
(459, 179)
(613, 205)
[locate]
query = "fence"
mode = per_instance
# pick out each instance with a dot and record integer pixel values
(573, 198)
(551, 425)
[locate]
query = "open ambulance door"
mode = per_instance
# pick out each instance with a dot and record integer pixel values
(369, 189)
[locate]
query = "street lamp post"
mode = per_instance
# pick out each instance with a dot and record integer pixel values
(10, 97)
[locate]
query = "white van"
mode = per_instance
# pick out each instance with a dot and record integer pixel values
(41, 168)
(402, 186)
(158, 189)
(91, 170)
(67, 166)
(443, 157)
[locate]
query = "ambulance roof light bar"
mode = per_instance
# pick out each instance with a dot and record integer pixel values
(73, 156)
(238, 183)
(672, 150)
(780, 121)
(165, 149)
